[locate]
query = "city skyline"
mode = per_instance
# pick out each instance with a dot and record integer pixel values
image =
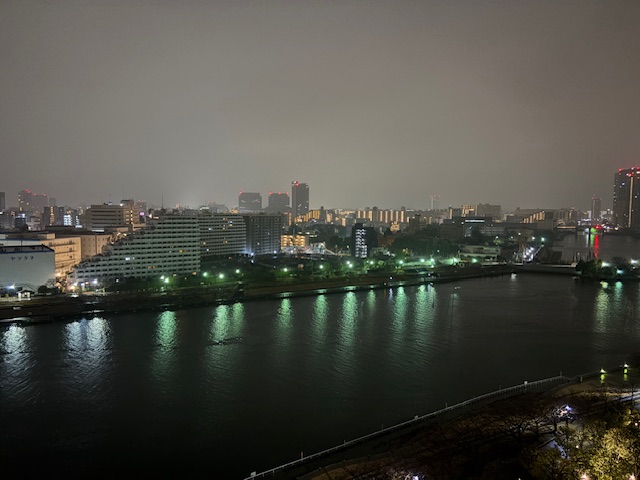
(371, 103)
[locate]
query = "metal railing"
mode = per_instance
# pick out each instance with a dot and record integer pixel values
(486, 398)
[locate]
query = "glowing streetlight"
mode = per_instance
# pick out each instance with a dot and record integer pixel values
(237, 270)
(221, 276)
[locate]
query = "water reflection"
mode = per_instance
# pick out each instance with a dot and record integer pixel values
(349, 319)
(16, 363)
(284, 321)
(319, 320)
(13, 340)
(221, 323)
(163, 358)
(400, 306)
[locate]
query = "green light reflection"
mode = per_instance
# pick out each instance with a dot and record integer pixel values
(349, 318)
(166, 329)
(162, 361)
(319, 318)
(221, 323)
(400, 306)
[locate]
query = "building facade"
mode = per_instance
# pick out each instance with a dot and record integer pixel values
(626, 198)
(25, 267)
(278, 202)
(299, 198)
(222, 234)
(249, 202)
(263, 234)
(169, 247)
(596, 208)
(99, 217)
(67, 250)
(363, 241)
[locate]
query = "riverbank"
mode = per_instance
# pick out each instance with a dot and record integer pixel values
(468, 439)
(42, 309)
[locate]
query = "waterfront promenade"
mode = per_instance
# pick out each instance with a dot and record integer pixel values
(39, 309)
(409, 445)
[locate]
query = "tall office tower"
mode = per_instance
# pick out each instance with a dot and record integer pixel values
(53, 202)
(299, 198)
(626, 198)
(3, 203)
(278, 202)
(596, 208)
(249, 202)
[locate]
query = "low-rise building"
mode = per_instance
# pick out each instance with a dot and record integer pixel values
(25, 267)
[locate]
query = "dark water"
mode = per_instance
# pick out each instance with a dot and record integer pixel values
(155, 393)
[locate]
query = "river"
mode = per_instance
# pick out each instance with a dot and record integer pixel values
(164, 393)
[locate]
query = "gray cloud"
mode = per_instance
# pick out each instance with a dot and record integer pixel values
(371, 103)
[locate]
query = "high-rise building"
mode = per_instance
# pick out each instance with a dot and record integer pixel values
(626, 198)
(263, 233)
(596, 208)
(299, 198)
(221, 234)
(32, 202)
(3, 204)
(278, 202)
(249, 202)
(52, 216)
(363, 240)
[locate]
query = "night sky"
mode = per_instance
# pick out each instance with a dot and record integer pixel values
(519, 103)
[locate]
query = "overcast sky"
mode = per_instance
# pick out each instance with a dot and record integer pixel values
(519, 103)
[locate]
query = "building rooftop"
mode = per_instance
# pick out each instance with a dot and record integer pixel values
(24, 249)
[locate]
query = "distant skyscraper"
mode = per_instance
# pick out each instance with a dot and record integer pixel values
(596, 208)
(3, 204)
(52, 216)
(278, 202)
(626, 198)
(299, 198)
(25, 200)
(29, 201)
(250, 202)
